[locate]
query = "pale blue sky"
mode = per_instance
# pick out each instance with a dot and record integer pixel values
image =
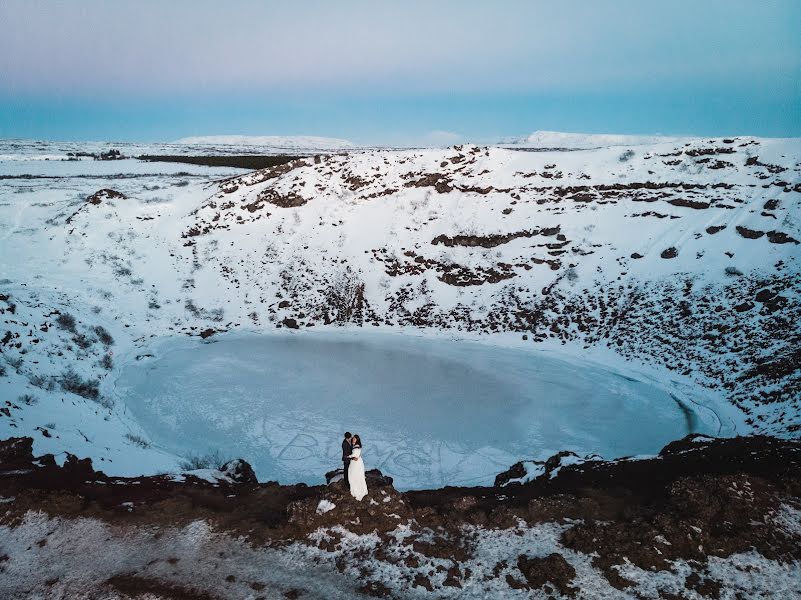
(398, 72)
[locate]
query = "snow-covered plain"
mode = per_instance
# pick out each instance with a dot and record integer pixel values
(644, 263)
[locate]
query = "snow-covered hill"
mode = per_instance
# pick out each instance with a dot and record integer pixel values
(586, 141)
(679, 258)
(298, 142)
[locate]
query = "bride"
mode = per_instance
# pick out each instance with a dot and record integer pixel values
(358, 485)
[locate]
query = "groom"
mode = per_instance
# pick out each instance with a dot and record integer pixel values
(347, 449)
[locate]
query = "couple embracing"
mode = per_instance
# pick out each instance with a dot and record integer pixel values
(353, 465)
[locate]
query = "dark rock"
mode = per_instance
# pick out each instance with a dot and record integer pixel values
(516, 471)
(207, 333)
(291, 323)
(441, 183)
(284, 304)
(16, 451)
(78, 468)
(553, 570)
(706, 588)
(240, 471)
(331, 475)
(373, 477)
(376, 478)
(105, 194)
(669, 253)
(689, 203)
(778, 237)
(421, 580)
(751, 234)
(764, 295)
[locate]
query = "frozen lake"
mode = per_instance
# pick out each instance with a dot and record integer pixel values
(430, 412)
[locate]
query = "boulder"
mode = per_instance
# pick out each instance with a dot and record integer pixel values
(239, 471)
(373, 477)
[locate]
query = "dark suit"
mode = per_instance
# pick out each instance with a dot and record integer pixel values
(347, 449)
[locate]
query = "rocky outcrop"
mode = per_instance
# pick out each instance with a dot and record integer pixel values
(105, 194)
(239, 471)
(700, 498)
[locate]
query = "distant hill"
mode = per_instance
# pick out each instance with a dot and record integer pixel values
(577, 141)
(277, 141)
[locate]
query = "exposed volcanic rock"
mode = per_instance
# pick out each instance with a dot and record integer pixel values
(702, 497)
(552, 571)
(99, 197)
(105, 194)
(347, 240)
(239, 471)
(493, 240)
(287, 200)
(749, 233)
(438, 181)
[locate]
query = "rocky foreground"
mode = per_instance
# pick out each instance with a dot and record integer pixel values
(706, 518)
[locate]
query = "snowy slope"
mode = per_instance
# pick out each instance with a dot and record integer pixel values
(680, 258)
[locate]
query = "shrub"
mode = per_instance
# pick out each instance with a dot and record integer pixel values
(104, 336)
(66, 321)
(211, 460)
(346, 297)
(734, 272)
(28, 399)
(15, 362)
(82, 341)
(2, 371)
(627, 155)
(72, 382)
(215, 314)
(50, 425)
(571, 274)
(43, 382)
(106, 362)
(138, 440)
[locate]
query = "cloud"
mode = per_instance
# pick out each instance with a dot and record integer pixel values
(150, 47)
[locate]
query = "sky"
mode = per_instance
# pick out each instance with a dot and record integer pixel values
(398, 72)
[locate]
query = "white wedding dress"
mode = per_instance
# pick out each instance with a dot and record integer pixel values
(358, 485)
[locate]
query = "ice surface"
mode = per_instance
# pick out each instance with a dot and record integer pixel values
(430, 412)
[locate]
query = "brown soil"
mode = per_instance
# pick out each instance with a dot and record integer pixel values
(700, 497)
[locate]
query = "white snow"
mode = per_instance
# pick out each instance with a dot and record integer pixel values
(325, 506)
(587, 141)
(78, 555)
(125, 265)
